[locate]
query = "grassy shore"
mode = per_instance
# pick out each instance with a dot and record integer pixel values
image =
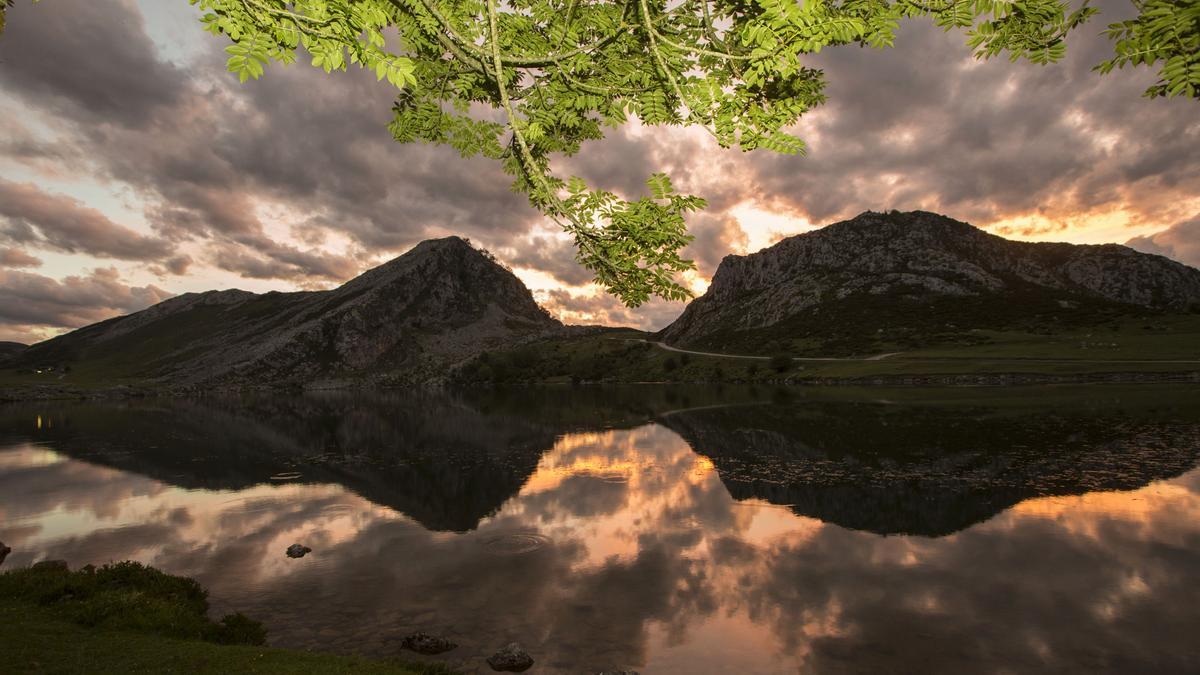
(1155, 348)
(1142, 348)
(128, 618)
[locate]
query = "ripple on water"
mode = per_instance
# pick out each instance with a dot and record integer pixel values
(515, 543)
(287, 475)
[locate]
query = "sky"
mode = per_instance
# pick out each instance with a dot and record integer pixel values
(133, 167)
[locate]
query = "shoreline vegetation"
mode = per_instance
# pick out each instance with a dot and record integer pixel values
(52, 392)
(1148, 349)
(1160, 351)
(127, 617)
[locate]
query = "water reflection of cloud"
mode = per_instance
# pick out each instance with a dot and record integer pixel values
(644, 561)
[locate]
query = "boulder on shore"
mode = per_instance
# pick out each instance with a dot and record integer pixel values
(53, 565)
(424, 643)
(511, 659)
(4, 551)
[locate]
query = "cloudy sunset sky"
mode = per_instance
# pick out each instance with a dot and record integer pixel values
(133, 167)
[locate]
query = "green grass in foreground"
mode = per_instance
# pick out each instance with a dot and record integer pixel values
(133, 619)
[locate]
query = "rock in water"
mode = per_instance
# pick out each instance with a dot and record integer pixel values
(298, 551)
(424, 643)
(52, 565)
(511, 659)
(4, 551)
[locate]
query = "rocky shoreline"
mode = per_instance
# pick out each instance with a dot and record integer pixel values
(44, 392)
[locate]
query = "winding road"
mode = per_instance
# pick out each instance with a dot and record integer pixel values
(663, 345)
(881, 357)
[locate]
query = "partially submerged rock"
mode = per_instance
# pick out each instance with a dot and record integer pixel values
(424, 643)
(54, 565)
(298, 551)
(4, 551)
(511, 659)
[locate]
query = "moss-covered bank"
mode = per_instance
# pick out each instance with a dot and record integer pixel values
(130, 618)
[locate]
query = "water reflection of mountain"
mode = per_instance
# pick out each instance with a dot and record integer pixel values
(931, 465)
(443, 463)
(934, 468)
(446, 459)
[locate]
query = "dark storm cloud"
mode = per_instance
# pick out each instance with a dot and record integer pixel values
(33, 299)
(1181, 241)
(925, 126)
(88, 60)
(28, 215)
(204, 152)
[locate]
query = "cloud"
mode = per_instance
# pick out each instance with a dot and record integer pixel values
(717, 235)
(551, 255)
(29, 215)
(1181, 241)
(281, 262)
(28, 299)
(233, 168)
(295, 177)
(591, 306)
(177, 265)
(930, 127)
(89, 61)
(15, 257)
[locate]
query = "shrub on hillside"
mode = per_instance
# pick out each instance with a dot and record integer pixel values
(781, 363)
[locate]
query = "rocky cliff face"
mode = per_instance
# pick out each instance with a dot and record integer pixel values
(405, 321)
(901, 262)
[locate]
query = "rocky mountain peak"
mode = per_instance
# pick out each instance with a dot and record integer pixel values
(900, 262)
(407, 320)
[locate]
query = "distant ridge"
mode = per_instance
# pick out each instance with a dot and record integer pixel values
(915, 274)
(408, 320)
(10, 349)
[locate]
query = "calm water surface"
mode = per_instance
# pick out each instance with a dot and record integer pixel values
(652, 529)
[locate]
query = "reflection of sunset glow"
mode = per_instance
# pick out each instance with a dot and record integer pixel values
(1155, 508)
(193, 514)
(627, 545)
(1136, 505)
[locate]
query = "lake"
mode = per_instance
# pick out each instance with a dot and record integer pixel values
(656, 529)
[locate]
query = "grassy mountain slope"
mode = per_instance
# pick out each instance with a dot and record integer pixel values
(405, 321)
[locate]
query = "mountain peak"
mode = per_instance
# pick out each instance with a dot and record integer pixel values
(888, 223)
(452, 244)
(880, 270)
(407, 320)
